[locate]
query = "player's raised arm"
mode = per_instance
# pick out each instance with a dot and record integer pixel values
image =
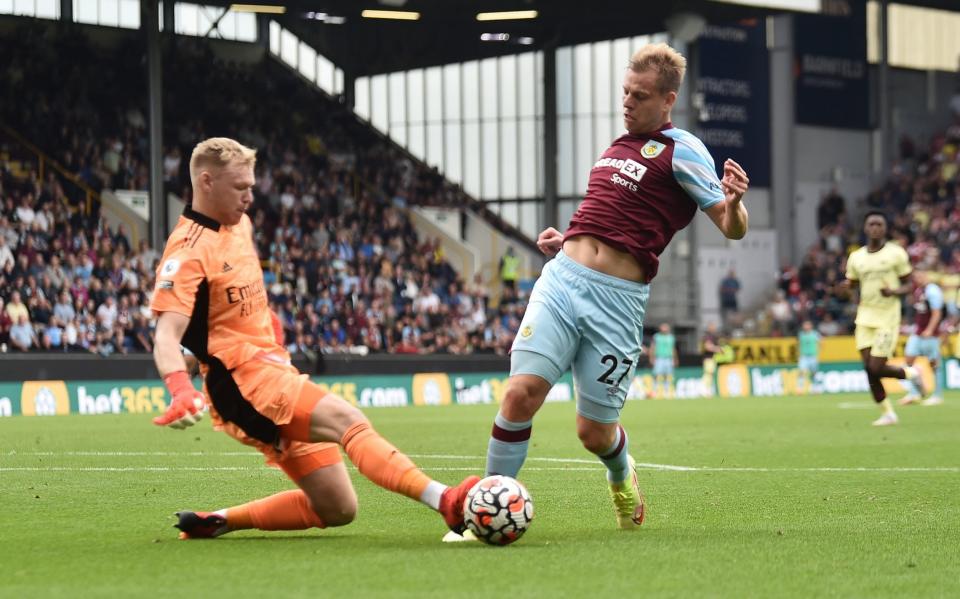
(731, 216)
(187, 404)
(550, 241)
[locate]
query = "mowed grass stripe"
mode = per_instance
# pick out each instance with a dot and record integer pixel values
(766, 513)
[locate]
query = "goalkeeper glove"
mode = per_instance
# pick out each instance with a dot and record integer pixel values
(187, 406)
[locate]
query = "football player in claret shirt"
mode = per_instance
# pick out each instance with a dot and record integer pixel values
(586, 309)
(881, 269)
(210, 297)
(927, 301)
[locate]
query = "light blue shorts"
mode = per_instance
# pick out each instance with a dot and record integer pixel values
(585, 320)
(808, 363)
(952, 309)
(663, 366)
(928, 347)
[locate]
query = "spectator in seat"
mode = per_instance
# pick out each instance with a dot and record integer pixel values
(16, 308)
(781, 315)
(5, 323)
(22, 336)
(53, 336)
(509, 268)
(830, 208)
(729, 289)
(107, 313)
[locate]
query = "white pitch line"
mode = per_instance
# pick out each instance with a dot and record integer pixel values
(588, 464)
(855, 405)
(473, 457)
(134, 453)
(835, 469)
(945, 469)
(670, 467)
(230, 469)
(256, 454)
(120, 469)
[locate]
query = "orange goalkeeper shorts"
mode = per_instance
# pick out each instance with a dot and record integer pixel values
(286, 398)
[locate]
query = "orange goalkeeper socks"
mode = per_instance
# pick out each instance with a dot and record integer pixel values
(289, 510)
(385, 465)
(376, 459)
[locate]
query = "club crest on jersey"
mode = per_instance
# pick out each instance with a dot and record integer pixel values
(652, 149)
(170, 267)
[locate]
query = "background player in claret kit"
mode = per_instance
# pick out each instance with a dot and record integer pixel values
(924, 341)
(881, 269)
(586, 310)
(210, 297)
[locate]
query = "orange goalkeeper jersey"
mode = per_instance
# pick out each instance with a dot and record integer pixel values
(210, 273)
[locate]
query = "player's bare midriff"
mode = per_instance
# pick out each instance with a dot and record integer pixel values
(593, 253)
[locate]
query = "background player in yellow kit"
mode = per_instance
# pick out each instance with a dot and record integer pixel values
(882, 270)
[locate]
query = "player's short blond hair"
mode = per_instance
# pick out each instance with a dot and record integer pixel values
(669, 65)
(218, 152)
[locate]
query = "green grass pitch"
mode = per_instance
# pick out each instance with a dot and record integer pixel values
(777, 497)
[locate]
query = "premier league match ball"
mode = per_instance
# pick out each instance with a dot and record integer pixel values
(498, 510)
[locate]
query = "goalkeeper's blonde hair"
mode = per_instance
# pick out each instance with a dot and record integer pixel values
(218, 152)
(669, 65)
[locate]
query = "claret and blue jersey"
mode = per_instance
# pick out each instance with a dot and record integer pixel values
(644, 189)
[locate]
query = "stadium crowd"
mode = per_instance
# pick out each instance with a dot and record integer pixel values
(343, 265)
(921, 197)
(340, 282)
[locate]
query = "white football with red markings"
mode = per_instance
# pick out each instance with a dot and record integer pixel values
(498, 510)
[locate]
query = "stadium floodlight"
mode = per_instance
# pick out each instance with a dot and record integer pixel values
(685, 26)
(495, 37)
(507, 15)
(325, 18)
(401, 15)
(797, 5)
(261, 8)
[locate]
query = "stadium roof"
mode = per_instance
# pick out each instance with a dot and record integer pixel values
(448, 30)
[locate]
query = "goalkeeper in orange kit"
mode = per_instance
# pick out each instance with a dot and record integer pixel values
(210, 298)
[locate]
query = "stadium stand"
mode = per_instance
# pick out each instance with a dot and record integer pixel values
(922, 198)
(343, 264)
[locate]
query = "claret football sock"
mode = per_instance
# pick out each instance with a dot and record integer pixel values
(507, 449)
(616, 458)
